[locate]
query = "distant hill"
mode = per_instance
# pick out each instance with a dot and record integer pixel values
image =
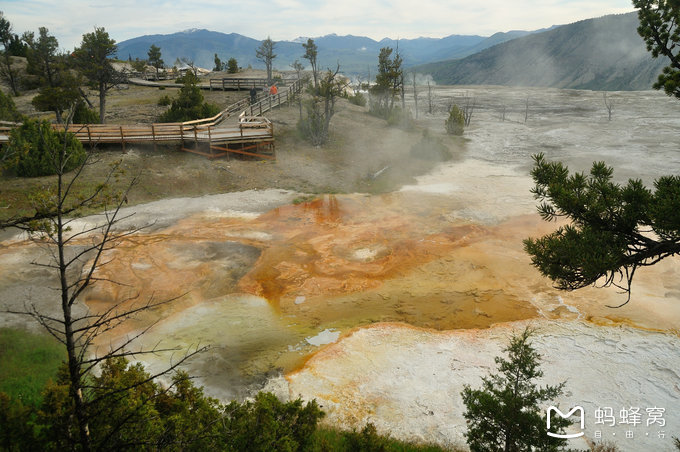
(356, 54)
(600, 54)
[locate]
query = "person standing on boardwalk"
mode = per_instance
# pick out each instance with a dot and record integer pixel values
(273, 90)
(253, 95)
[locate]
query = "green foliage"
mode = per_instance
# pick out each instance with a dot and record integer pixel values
(321, 108)
(8, 71)
(138, 65)
(219, 66)
(27, 362)
(311, 52)
(366, 440)
(128, 410)
(358, 99)
(388, 83)
(58, 98)
(455, 123)
(658, 27)
(164, 101)
(59, 86)
(267, 424)
(505, 413)
(431, 148)
(605, 241)
(8, 110)
(232, 65)
(35, 149)
(92, 58)
(16, 425)
(190, 417)
(189, 103)
(84, 115)
(155, 59)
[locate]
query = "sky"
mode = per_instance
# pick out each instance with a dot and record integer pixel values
(289, 19)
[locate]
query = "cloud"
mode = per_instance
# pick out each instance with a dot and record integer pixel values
(288, 19)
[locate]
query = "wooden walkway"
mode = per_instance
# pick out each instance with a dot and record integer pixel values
(233, 83)
(240, 128)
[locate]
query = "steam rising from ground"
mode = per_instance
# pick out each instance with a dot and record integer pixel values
(269, 282)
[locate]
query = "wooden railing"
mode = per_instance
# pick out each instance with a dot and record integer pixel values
(267, 102)
(250, 125)
(240, 83)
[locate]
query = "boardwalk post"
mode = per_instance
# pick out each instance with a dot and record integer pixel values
(122, 139)
(153, 136)
(89, 135)
(210, 141)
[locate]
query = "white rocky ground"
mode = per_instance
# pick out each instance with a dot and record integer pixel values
(407, 381)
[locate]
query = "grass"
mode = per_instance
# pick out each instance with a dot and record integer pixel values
(304, 198)
(328, 439)
(27, 362)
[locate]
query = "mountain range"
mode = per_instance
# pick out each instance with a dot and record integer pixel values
(356, 54)
(604, 53)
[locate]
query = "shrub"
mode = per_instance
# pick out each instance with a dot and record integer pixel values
(35, 149)
(455, 123)
(358, 99)
(368, 440)
(267, 424)
(189, 103)
(8, 110)
(84, 115)
(232, 66)
(164, 101)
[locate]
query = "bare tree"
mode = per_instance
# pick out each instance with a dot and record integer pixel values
(321, 107)
(526, 110)
(266, 54)
(608, 105)
(415, 94)
(75, 256)
(188, 62)
(468, 109)
(429, 97)
(297, 67)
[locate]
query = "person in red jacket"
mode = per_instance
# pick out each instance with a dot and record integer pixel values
(273, 90)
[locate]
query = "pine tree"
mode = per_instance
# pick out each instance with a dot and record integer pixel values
(505, 415)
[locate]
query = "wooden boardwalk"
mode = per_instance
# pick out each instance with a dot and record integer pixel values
(240, 128)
